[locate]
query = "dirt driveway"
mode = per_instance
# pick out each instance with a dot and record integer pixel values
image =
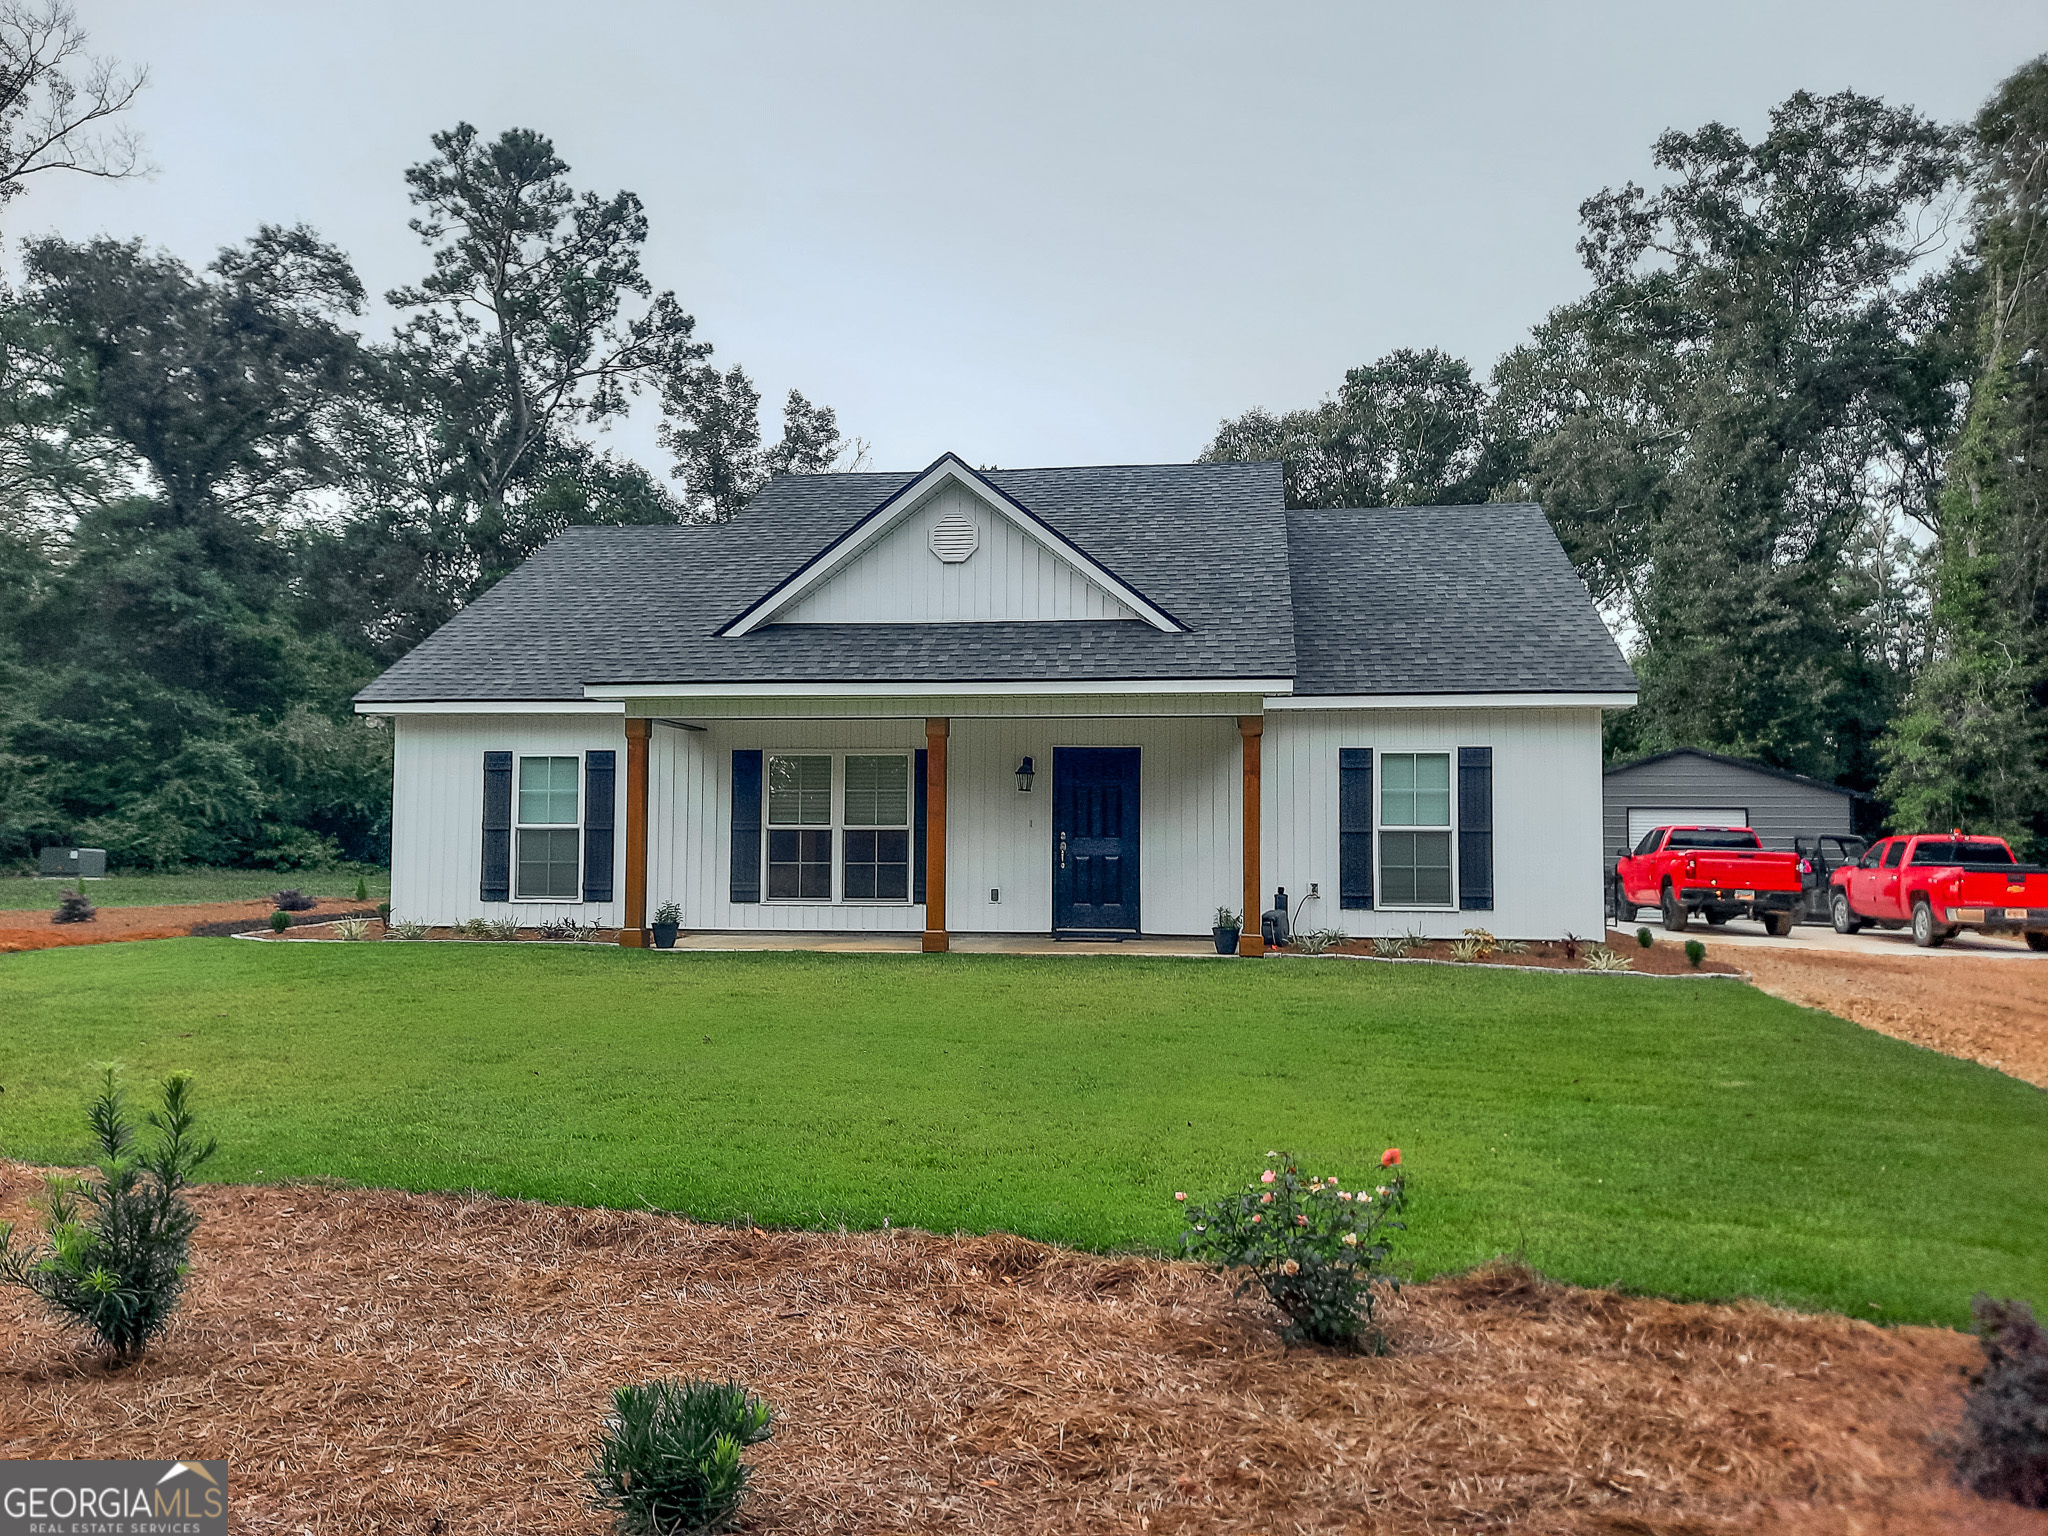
(1984, 999)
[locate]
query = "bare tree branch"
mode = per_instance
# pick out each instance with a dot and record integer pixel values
(57, 100)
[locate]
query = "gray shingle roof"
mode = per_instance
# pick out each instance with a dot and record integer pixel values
(1444, 600)
(1209, 543)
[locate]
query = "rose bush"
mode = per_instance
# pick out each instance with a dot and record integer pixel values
(1316, 1249)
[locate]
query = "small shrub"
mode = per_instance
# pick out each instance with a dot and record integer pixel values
(73, 907)
(362, 889)
(1318, 941)
(475, 928)
(1571, 942)
(280, 920)
(1317, 1251)
(1391, 949)
(352, 929)
(294, 901)
(1513, 947)
(1487, 942)
(1695, 952)
(1227, 917)
(2003, 1452)
(1601, 958)
(1467, 949)
(668, 1458)
(504, 929)
(1645, 938)
(405, 930)
(119, 1245)
(668, 912)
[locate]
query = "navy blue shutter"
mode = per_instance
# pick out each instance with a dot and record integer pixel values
(1354, 829)
(746, 826)
(1475, 829)
(496, 883)
(917, 788)
(600, 790)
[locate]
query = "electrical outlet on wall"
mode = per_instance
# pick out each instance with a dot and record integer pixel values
(995, 893)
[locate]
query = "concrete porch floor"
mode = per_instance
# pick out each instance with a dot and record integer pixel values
(963, 944)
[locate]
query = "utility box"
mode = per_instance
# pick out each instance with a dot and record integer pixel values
(74, 863)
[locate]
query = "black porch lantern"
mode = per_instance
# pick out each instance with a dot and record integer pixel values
(1024, 777)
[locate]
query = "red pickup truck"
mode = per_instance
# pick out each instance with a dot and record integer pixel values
(1722, 871)
(1941, 884)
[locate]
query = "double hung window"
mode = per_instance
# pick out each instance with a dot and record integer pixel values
(827, 810)
(1415, 829)
(549, 831)
(800, 828)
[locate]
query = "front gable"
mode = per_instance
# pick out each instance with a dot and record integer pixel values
(951, 548)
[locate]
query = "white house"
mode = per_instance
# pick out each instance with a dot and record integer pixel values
(1092, 701)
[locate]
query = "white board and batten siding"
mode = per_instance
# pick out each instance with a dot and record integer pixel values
(999, 839)
(1010, 576)
(437, 812)
(1547, 870)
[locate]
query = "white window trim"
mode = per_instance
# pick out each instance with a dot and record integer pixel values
(838, 826)
(518, 826)
(1381, 828)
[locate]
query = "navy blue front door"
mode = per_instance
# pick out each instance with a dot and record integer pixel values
(1095, 839)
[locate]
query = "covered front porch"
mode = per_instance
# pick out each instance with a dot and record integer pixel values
(935, 821)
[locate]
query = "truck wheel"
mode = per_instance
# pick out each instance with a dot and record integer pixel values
(1674, 912)
(1841, 916)
(1927, 934)
(2037, 942)
(1778, 924)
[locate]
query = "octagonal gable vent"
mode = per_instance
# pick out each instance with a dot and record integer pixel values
(954, 538)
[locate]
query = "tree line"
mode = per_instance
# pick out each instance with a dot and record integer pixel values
(1792, 438)
(224, 508)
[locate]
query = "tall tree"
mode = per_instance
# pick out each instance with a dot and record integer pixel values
(57, 102)
(713, 427)
(1408, 430)
(1758, 385)
(1971, 749)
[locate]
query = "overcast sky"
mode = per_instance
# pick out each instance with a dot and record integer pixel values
(1030, 233)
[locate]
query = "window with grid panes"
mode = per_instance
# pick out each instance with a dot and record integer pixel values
(800, 828)
(550, 841)
(1415, 829)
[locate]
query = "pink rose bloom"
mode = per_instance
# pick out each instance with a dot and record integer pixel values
(1257, 1219)
(1267, 1177)
(1180, 1194)
(1266, 1199)
(1301, 1221)
(1351, 1239)
(1343, 1194)
(1290, 1268)
(1390, 1158)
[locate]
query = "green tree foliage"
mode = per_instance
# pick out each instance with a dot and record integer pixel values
(1408, 430)
(713, 428)
(1732, 428)
(1970, 749)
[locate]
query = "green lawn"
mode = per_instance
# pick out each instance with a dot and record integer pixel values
(18, 894)
(1695, 1139)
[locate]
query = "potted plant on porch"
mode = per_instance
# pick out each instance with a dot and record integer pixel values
(1228, 925)
(667, 918)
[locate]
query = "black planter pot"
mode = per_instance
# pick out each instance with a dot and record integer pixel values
(1226, 941)
(664, 935)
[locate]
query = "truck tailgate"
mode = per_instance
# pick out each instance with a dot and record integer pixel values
(1996, 893)
(1759, 871)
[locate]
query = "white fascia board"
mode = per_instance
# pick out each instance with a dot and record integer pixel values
(1267, 686)
(495, 707)
(878, 522)
(1453, 701)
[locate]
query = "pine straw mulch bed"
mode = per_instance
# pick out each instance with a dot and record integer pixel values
(374, 1361)
(32, 929)
(1551, 955)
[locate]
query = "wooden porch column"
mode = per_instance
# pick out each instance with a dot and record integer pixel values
(1252, 728)
(935, 937)
(634, 934)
